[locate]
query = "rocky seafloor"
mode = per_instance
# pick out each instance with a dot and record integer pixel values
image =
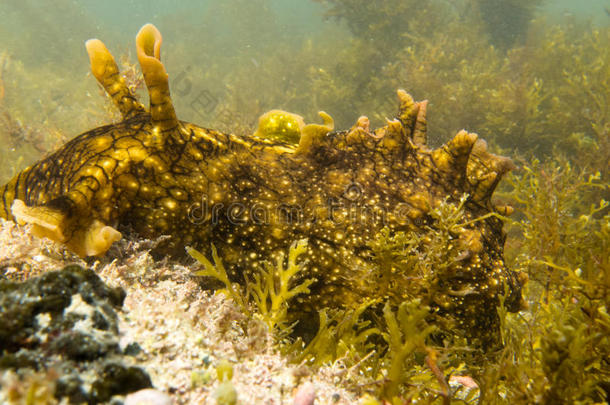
(128, 329)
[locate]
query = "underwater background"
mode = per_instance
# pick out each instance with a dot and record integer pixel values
(512, 71)
(532, 78)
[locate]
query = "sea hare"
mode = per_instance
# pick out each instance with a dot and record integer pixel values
(251, 196)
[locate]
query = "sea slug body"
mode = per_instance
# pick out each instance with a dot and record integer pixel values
(252, 195)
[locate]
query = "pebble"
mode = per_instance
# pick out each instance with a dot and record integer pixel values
(147, 396)
(306, 394)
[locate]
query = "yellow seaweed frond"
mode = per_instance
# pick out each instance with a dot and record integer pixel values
(413, 264)
(273, 288)
(342, 334)
(217, 271)
(270, 291)
(406, 333)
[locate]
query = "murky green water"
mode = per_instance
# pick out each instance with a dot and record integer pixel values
(240, 58)
(250, 56)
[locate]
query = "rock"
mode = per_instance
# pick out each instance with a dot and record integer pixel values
(66, 320)
(148, 397)
(305, 395)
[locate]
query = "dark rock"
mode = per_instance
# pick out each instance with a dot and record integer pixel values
(81, 346)
(71, 387)
(51, 293)
(132, 349)
(66, 320)
(117, 379)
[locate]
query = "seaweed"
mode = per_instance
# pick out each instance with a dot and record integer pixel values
(34, 388)
(507, 22)
(388, 339)
(406, 333)
(562, 226)
(273, 287)
(269, 292)
(342, 334)
(545, 87)
(556, 351)
(217, 271)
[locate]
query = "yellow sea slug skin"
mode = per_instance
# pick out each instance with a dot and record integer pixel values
(251, 196)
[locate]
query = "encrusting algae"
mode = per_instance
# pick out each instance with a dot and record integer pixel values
(250, 196)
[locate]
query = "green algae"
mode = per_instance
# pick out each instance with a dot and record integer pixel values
(269, 292)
